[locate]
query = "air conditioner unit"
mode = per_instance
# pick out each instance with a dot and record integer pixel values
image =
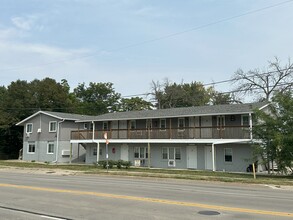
(39, 130)
(171, 163)
(65, 153)
(27, 135)
(137, 163)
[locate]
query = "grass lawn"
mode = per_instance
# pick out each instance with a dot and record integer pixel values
(161, 173)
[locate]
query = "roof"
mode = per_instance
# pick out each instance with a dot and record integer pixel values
(57, 115)
(179, 112)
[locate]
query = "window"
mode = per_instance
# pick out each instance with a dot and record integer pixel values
(52, 126)
(94, 151)
(29, 128)
(244, 120)
(31, 148)
(177, 154)
(221, 122)
(181, 124)
(164, 153)
(171, 153)
(101, 151)
(149, 124)
(228, 154)
(163, 124)
(132, 124)
(105, 125)
(140, 152)
(85, 126)
(50, 147)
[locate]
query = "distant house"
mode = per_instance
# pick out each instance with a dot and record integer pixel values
(205, 137)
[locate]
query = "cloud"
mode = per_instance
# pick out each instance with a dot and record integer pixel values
(27, 23)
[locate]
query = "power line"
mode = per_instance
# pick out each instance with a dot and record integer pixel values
(158, 38)
(222, 81)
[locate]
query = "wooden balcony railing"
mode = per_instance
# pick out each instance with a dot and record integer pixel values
(235, 132)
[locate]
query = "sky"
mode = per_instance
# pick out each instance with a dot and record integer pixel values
(134, 42)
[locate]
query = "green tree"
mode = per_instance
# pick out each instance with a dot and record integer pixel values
(135, 103)
(172, 95)
(275, 130)
(21, 99)
(97, 98)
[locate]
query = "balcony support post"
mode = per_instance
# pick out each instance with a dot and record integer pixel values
(93, 130)
(98, 152)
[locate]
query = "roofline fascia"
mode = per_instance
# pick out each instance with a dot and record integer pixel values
(45, 113)
(121, 119)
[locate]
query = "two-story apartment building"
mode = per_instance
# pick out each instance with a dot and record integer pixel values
(215, 137)
(46, 137)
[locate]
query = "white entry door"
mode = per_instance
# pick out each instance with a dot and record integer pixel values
(124, 152)
(191, 157)
(208, 158)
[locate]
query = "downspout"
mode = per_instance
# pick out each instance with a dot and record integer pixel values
(250, 125)
(213, 157)
(57, 142)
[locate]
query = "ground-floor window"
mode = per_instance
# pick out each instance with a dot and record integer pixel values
(228, 154)
(50, 147)
(94, 151)
(171, 153)
(31, 148)
(140, 152)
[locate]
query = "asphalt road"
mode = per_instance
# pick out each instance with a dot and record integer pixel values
(48, 196)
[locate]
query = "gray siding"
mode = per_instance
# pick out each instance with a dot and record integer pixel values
(41, 122)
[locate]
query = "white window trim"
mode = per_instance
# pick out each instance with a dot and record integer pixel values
(50, 142)
(28, 132)
(163, 129)
(105, 123)
(95, 149)
(132, 121)
(181, 129)
(149, 124)
(242, 116)
(51, 122)
(28, 147)
(225, 155)
(223, 119)
(85, 126)
(168, 153)
(145, 153)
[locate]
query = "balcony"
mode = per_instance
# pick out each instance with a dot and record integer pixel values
(235, 132)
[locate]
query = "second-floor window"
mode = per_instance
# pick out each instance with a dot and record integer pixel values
(52, 126)
(105, 125)
(149, 124)
(29, 128)
(132, 124)
(163, 124)
(181, 124)
(245, 120)
(220, 122)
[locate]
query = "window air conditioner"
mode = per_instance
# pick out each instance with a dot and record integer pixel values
(65, 153)
(171, 163)
(27, 135)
